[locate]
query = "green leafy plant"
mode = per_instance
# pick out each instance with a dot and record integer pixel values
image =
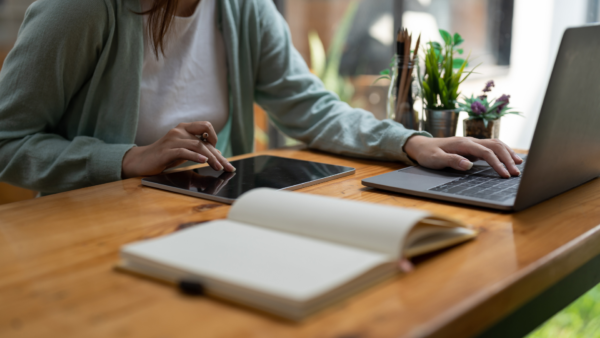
(482, 108)
(327, 66)
(581, 319)
(443, 72)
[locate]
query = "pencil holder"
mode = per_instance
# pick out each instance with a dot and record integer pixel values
(403, 92)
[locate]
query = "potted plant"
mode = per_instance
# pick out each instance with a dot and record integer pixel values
(485, 114)
(442, 76)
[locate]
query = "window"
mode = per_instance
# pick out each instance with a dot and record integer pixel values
(514, 42)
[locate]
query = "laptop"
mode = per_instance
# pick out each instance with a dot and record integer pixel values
(564, 153)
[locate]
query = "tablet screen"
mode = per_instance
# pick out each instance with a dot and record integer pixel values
(254, 172)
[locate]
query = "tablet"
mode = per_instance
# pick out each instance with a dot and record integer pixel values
(255, 172)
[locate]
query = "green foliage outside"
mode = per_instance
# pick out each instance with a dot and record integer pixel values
(581, 319)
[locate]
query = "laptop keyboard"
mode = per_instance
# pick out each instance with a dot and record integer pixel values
(486, 184)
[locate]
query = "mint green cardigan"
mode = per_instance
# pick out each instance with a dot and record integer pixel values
(70, 91)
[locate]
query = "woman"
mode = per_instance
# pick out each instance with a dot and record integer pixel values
(88, 80)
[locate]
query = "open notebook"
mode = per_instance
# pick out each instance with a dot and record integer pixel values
(290, 253)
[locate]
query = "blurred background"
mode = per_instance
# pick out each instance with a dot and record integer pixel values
(514, 42)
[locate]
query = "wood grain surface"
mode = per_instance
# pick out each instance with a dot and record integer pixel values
(10, 194)
(57, 255)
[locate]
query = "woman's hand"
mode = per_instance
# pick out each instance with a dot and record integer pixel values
(458, 152)
(179, 145)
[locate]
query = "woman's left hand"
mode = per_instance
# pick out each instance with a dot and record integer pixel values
(180, 144)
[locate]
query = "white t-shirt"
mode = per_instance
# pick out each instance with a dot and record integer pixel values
(189, 82)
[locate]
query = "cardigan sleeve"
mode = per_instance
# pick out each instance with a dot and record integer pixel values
(55, 55)
(301, 107)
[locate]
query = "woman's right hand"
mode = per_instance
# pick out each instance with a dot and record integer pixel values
(456, 152)
(179, 145)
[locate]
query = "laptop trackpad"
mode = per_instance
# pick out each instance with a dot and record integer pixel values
(420, 178)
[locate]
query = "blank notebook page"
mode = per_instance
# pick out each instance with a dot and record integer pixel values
(289, 266)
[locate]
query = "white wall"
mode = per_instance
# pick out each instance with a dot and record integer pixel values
(538, 26)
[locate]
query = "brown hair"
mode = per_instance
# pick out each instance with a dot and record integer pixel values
(160, 18)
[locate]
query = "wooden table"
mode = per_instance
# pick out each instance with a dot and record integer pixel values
(57, 255)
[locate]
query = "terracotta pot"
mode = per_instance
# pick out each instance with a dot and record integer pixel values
(477, 129)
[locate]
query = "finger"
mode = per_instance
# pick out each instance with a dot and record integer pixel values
(174, 163)
(456, 162)
(515, 156)
(199, 128)
(200, 147)
(501, 151)
(213, 156)
(195, 145)
(222, 160)
(212, 159)
(512, 153)
(473, 148)
(175, 154)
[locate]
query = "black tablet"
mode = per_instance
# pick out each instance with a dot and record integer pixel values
(254, 172)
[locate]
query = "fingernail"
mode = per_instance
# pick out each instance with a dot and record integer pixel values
(465, 164)
(506, 174)
(219, 167)
(201, 159)
(230, 168)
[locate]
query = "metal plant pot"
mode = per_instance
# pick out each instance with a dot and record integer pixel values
(441, 123)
